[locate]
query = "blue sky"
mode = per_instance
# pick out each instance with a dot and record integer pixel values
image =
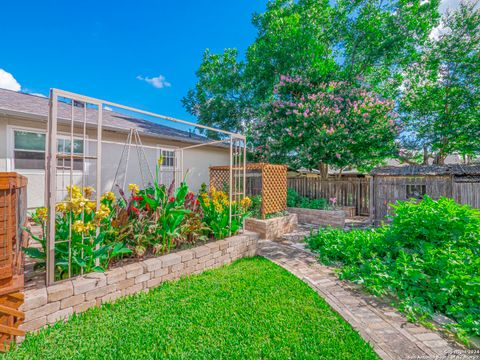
(119, 51)
(140, 53)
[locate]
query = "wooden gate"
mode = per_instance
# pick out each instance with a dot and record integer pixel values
(13, 204)
(353, 192)
(466, 190)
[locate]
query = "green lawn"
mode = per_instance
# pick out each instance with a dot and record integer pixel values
(250, 309)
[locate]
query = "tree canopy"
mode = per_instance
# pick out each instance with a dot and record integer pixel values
(441, 98)
(381, 49)
(328, 123)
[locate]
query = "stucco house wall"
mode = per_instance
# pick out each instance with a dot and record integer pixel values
(197, 161)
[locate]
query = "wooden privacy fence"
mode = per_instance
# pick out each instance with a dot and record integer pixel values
(267, 180)
(391, 184)
(13, 205)
(348, 191)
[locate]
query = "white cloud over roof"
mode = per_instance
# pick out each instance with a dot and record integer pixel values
(7, 81)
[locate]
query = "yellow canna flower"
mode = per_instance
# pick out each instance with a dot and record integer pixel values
(90, 206)
(110, 196)
(78, 226)
(74, 191)
(105, 209)
(90, 227)
(133, 188)
(42, 213)
(61, 207)
(246, 202)
(218, 206)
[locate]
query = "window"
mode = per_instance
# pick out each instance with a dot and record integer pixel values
(168, 158)
(29, 151)
(416, 191)
(168, 167)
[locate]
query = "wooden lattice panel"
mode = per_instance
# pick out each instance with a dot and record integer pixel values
(274, 189)
(219, 178)
(273, 180)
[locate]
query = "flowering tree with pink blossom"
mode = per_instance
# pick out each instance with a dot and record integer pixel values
(334, 123)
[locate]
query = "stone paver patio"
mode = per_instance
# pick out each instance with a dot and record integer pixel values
(388, 331)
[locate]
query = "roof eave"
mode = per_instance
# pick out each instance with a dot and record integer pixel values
(38, 117)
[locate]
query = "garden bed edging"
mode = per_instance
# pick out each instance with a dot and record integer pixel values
(49, 304)
(335, 218)
(272, 228)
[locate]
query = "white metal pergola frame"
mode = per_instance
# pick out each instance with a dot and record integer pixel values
(237, 147)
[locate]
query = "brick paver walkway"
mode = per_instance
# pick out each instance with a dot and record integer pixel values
(383, 327)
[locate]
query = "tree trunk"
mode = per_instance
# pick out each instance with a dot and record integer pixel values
(323, 168)
(425, 156)
(439, 158)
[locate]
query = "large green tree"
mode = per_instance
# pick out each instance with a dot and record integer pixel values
(219, 97)
(366, 43)
(441, 97)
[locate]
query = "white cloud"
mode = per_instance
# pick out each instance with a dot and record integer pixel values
(158, 82)
(108, 108)
(38, 94)
(7, 81)
(445, 5)
(448, 4)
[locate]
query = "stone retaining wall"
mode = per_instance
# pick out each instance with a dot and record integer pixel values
(335, 218)
(272, 228)
(47, 305)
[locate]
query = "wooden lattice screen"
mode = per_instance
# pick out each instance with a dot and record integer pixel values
(12, 218)
(273, 184)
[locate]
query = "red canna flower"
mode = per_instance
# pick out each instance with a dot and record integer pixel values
(172, 199)
(137, 198)
(135, 210)
(197, 202)
(148, 207)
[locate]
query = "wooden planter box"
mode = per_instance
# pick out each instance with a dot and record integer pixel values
(272, 228)
(13, 212)
(335, 218)
(350, 211)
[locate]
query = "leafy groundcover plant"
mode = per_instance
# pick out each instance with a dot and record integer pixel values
(427, 257)
(295, 200)
(144, 222)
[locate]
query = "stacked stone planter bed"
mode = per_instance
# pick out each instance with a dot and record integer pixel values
(47, 305)
(335, 218)
(272, 228)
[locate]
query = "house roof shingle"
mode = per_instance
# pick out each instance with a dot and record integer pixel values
(424, 170)
(34, 106)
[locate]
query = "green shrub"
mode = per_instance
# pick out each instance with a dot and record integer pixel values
(256, 207)
(428, 257)
(295, 200)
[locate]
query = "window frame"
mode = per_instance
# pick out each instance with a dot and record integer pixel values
(169, 169)
(409, 187)
(11, 148)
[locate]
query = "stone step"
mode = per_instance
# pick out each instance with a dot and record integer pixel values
(294, 237)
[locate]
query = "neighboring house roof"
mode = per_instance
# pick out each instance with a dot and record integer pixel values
(449, 160)
(36, 107)
(452, 159)
(422, 170)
